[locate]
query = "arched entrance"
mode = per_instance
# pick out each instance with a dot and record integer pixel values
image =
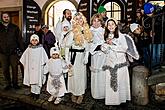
(53, 10)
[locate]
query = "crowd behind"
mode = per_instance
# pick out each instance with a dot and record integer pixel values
(61, 59)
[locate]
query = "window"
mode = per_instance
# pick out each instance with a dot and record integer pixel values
(113, 10)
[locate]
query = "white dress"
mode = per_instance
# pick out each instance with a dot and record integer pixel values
(78, 82)
(116, 54)
(56, 67)
(34, 60)
(97, 61)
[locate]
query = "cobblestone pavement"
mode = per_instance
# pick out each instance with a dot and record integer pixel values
(20, 100)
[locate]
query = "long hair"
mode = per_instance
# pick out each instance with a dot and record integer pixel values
(116, 33)
(79, 34)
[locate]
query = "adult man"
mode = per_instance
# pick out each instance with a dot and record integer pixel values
(10, 42)
(67, 15)
(39, 32)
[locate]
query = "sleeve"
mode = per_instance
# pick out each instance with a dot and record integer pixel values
(45, 61)
(131, 51)
(58, 30)
(119, 44)
(87, 48)
(64, 66)
(68, 44)
(105, 47)
(24, 57)
(19, 39)
(53, 39)
(67, 55)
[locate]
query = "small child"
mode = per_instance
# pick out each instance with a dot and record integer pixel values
(34, 61)
(62, 40)
(56, 84)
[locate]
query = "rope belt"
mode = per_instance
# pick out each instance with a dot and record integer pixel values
(74, 51)
(113, 73)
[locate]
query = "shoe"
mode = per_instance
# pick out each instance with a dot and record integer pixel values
(16, 87)
(74, 98)
(8, 87)
(58, 100)
(51, 98)
(80, 99)
(36, 96)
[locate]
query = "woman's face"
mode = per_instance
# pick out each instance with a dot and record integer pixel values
(79, 20)
(96, 23)
(111, 26)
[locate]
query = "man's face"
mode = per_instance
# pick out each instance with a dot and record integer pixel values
(37, 28)
(104, 14)
(5, 18)
(68, 15)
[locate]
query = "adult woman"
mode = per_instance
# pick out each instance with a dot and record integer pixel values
(76, 54)
(117, 76)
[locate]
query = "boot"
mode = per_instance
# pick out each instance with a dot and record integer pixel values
(74, 98)
(80, 99)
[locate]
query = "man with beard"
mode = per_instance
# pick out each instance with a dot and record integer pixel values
(67, 16)
(10, 43)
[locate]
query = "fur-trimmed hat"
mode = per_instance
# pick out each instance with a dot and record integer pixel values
(34, 36)
(133, 27)
(54, 50)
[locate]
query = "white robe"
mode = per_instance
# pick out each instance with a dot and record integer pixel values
(97, 61)
(116, 54)
(56, 67)
(34, 62)
(78, 82)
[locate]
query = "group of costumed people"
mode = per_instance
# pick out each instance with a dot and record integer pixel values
(109, 50)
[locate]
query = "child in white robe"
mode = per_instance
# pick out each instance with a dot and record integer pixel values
(56, 84)
(97, 58)
(34, 61)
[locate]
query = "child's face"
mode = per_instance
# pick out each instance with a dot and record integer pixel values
(96, 23)
(111, 26)
(137, 31)
(55, 55)
(34, 42)
(65, 28)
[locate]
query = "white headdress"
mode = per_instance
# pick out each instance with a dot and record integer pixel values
(133, 27)
(54, 50)
(34, 36)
